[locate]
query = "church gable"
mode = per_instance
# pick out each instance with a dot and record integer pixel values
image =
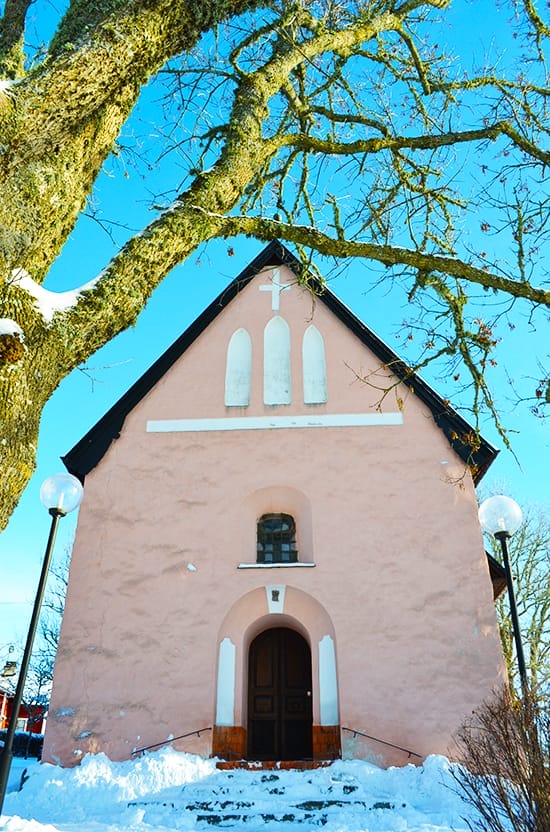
(269, 348)
(257, 367)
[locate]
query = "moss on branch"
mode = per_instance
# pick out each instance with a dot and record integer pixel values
(12, 30)
(388, 255)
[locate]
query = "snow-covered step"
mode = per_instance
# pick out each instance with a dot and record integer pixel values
(150, 795)
(241, 821)
(250, 786)
(252, 813)
(253, 818)
(271, 801)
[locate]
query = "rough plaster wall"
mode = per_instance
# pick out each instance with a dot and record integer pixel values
(391, 526)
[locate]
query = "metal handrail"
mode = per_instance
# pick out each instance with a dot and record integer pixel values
(383, 742)
(198, 732)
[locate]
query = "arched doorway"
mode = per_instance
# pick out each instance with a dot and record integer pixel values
(279, 696)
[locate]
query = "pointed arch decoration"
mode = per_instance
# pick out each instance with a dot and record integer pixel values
(277, 379)
(238, 369)
(314, 367)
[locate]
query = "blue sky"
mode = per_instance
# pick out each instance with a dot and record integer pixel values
(87, 393)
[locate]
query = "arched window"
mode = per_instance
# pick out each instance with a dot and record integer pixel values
(238, 370)
(277, 362)
(276, 539)
(314, 367)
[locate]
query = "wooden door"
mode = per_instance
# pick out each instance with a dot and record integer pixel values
(279, 696)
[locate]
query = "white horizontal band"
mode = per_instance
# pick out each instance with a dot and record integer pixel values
(329, 420)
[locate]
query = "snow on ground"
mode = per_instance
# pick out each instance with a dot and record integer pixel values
(169, 790)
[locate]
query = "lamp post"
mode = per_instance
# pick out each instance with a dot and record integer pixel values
(60, 494)
(501, 517)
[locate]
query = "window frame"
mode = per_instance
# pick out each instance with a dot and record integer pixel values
(281, 542)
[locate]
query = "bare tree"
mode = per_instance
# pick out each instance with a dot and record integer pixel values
(37, 691)
(505, 774)
(51, 616)
(529, 550)
(348, 128)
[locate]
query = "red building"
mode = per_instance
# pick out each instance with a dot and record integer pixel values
(31, 718)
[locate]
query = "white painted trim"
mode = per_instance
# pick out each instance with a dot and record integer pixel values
(274, 565)
(275, 598)
(329, 420)
(328, 684)
(275, 287)
(225, 700)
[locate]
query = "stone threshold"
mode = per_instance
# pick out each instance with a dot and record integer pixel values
(272, 765)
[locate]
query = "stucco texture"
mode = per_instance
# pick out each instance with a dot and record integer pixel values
(387, 515)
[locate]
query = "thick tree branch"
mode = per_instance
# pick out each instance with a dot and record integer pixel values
(313, 144)
(268, 229)
(199, 214)
(122, 48)
(67, 114)
(12, 29)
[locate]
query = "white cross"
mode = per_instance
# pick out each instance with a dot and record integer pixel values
(275, 287)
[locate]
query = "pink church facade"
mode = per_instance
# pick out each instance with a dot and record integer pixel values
(271, 555)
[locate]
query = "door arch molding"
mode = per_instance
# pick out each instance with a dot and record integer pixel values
(249, 616)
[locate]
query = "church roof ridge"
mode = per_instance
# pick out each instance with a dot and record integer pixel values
(471, 447)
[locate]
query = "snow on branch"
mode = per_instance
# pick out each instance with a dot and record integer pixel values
(47, 302)
(9, 327)
(6, 86)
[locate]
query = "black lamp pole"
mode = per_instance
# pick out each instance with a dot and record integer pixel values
(6, 753)
(502, 537)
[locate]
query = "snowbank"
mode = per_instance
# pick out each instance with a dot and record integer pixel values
(169, 790)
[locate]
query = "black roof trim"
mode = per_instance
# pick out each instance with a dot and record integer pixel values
(87, 453)
(498, 575)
